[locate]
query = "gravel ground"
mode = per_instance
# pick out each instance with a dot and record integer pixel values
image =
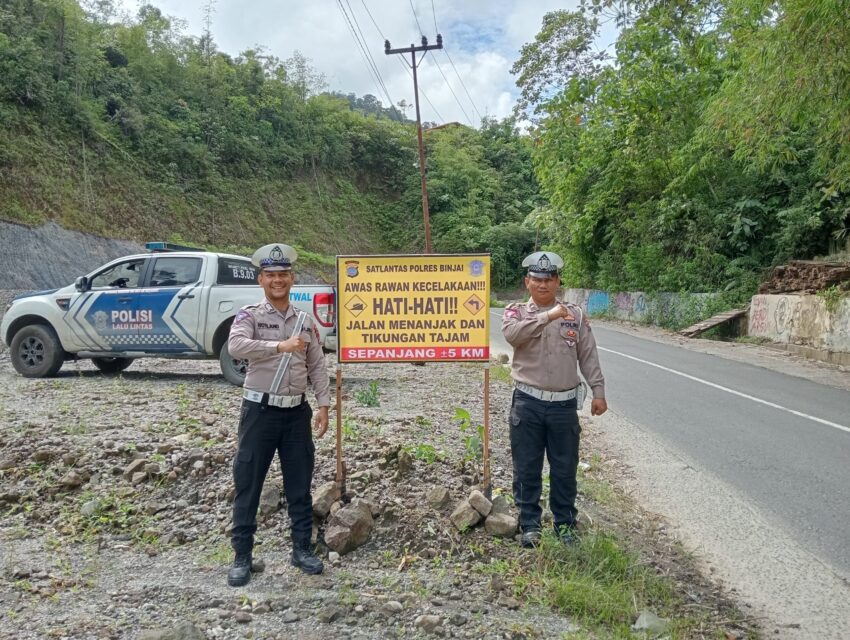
(89, 551)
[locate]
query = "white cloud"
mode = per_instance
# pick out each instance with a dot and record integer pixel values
(483, 38)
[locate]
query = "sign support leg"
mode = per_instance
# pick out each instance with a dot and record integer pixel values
(340, 465)
(488, 489)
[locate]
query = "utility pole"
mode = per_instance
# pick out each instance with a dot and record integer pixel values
(412, 50)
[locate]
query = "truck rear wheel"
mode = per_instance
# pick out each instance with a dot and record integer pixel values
(233, 369)
(112, 365)
(36, 351)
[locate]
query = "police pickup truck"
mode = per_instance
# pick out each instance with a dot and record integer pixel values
(167, 304)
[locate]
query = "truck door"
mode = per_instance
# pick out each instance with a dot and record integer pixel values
(171, 302)
(105, 318)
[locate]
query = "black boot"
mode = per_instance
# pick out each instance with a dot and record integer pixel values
(240, 573)
(530, 538)
(304, 558)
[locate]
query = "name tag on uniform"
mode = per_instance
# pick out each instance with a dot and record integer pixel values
(266, 325)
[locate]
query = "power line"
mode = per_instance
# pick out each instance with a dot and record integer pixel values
(449, 85)
(366, 48)
(364, 53)
(463, 84)
(421, 31)
(401, 62)
(368, 67)
(471, 101)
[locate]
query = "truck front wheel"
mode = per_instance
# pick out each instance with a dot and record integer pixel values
(112, 365)
(36, 351)
(233, 369)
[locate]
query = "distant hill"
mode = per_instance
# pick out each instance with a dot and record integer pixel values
(135, 131)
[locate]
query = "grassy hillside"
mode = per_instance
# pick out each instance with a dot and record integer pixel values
(133, 129)
(90, 185)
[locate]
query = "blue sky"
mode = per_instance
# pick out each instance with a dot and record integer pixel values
(483, 39)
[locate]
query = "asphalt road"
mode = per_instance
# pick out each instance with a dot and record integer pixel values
(783, 442)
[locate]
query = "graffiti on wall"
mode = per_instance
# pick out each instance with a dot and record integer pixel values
(783, 318)
(802, 320)
(597, 302)
(758, 316)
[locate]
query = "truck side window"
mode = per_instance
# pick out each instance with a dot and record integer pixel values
(175, 272)
(232, 271)
(124, 275)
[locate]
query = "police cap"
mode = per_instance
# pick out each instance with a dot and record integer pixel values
(274, 257)
(543, 264)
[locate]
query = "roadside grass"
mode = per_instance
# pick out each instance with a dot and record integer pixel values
(602, 582)
(598, 584)
(112, 513)
(501, 373)
(217, 552)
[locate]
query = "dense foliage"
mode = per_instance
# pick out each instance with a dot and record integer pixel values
(713, 143)
(128, 127)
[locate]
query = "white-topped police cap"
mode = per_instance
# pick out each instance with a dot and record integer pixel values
(274, 257)
(543, 264)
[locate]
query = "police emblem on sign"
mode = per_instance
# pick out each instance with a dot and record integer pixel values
(476, 268)
(100, 318)
(351, 268)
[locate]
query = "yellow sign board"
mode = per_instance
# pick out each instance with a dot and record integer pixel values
(413, 308)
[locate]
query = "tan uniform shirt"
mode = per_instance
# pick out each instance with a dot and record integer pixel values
(254, 335)
(546, 352)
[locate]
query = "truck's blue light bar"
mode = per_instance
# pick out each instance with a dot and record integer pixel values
(168, 246)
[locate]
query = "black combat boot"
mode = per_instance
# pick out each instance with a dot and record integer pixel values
(240, 573)
(530, 538)
(304, 558)
(566, 533)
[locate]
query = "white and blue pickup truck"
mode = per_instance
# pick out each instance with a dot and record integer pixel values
(167, 304)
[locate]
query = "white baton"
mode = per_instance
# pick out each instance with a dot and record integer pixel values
(284, 361)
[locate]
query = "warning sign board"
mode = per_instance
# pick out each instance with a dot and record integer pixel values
(413, 308)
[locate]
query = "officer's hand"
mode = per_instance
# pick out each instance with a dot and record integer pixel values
(558, 311)
(291, 345)
(598, 406)
(320, 422)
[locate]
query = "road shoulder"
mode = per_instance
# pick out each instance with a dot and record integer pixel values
(795, 594)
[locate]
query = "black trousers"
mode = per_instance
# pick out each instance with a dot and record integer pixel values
(539, 427)
(264, 430)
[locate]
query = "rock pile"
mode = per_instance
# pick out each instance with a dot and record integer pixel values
(806, 276)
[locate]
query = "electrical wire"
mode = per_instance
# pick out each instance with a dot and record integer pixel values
(449, 85)
(373, 71)
(365, 47)
(421, 31)
(403, 63)
(462, 83)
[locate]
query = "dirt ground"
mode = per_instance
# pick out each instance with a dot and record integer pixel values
(86, 553)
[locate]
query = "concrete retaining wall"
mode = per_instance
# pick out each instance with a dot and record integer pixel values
(801, 320)
(636, 306)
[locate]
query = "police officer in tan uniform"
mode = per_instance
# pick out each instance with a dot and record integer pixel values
(549, 338)
(282, 347)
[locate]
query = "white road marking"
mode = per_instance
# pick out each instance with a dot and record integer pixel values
(732, 391)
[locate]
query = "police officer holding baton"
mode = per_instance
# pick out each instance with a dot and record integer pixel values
(549, 338)
(283, 351)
